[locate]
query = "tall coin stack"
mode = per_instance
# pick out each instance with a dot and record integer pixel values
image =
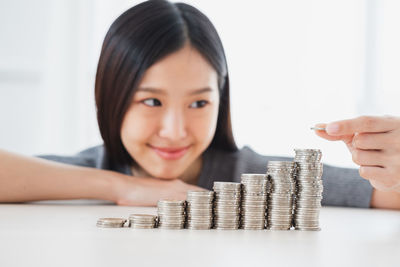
(281, 193)
(199, 210)
(142, 221)
(171, 214)
(254, 201)
(309, 189)
(227, 205)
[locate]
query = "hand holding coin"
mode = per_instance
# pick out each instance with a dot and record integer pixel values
(374, 143)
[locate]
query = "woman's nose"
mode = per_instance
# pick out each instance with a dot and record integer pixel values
(173, 125)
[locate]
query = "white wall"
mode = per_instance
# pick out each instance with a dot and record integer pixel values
(292, 64)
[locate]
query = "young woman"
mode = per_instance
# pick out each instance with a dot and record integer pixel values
(162, 96)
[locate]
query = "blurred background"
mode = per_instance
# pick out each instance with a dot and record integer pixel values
(292, 64)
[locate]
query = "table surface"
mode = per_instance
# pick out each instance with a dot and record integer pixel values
(44, 234)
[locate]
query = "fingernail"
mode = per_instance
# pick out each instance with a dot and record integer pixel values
(332, 128)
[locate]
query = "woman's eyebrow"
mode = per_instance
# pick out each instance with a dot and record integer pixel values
(151, 90)
(200, 91)
(163, 92)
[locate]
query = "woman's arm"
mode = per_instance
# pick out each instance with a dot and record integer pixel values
(385, 200)
(25, 179)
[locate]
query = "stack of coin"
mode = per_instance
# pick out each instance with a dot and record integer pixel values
(171, 214)
(142, 221)
(111, 222)
(308, 155)
(309, 189)
(254, 201)
(280, 195)
(199, 209)
(227, 205)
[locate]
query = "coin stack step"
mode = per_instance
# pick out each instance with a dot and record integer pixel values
(309, 189)
(227, 205)
(199, 209)
(289, 194)
(111, 222)
(280, 195)
(171, 214)
(142, 221)
(254, 201)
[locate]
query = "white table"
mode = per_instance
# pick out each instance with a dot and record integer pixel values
(66, 235)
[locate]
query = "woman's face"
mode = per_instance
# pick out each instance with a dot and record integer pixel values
(173, 115)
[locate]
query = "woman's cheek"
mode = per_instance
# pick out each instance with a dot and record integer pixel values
(144, 129)
(140, 126)
(204, 126)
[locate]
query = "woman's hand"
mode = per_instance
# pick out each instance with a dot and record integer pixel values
(374, 143)
(146, 191)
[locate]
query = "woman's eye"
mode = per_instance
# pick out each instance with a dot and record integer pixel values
(152, 102)
(199, 104)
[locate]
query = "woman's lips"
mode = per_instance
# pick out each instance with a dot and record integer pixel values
(170, 153)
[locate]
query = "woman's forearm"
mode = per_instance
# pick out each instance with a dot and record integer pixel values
(25, 178)
(385, 200)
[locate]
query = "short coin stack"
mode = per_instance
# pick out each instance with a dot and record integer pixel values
(111, 222)
(227, 205)
(254, 201)
(142, 221)
(281, 193)
(171, 214)
(199, 209)
(309, 189)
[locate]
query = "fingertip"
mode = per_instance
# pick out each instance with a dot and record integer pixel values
(321, 133)
(320, 125)
(326, 136)
(333, 128)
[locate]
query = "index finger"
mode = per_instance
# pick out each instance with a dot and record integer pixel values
(363, 124)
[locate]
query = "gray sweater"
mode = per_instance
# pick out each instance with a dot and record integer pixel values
(342, 186)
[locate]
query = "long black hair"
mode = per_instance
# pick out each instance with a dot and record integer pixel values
(140, 37)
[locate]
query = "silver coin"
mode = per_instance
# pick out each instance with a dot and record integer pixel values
(111, 222)
(171, 202)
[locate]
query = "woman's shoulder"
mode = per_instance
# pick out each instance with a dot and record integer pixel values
(246, 157)
(229, 165)
(251, 160)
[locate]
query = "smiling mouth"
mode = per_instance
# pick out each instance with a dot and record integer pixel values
(170, 153)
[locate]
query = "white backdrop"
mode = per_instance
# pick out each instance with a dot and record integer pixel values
(292, 64)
